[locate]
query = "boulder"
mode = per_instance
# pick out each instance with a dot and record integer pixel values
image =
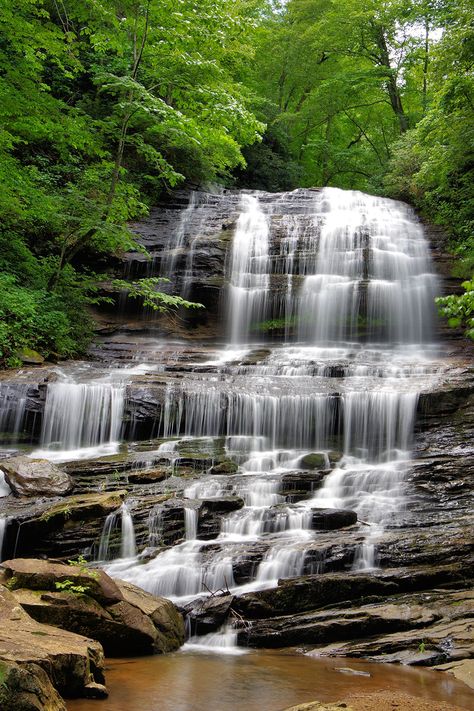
(36, 477)
(208, 614)
(168, 622)
(27, 687)
(315, 460)
(44, 575)
(225, 467)
(70, 662)
(29, 356)
(149, 476)
(331, 519)
(123, 618)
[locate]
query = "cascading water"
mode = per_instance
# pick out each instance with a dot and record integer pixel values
(82, 414)
(118, 536)
(249, 277)
(357, 292)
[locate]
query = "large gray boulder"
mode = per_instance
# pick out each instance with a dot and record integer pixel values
(35, 477)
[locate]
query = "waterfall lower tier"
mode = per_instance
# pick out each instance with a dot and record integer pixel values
(82, 414)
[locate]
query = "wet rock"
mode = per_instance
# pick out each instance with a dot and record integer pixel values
(173, 521)
(149, 476)
(316, 460)
(95, 691)
(245, 564)
(313, 592)
(35, 477)
(65, 528)
(298, 485)
(432, 645)
(211, 512)
(70, 661)
(208, 615)
(332, 625)
(331, 519)
(27, 687)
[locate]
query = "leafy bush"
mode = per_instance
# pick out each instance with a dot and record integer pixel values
(459, 310)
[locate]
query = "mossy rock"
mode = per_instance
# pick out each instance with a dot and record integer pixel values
(225, 467)
(28, 355)
(315, 460)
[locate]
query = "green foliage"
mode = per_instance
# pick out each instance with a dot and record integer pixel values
(12, 582)
(276, 324)
(102, 106)
(146, 290)
(459, 310)
(70, 586)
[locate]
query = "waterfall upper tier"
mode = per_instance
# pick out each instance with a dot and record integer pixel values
(314, 266)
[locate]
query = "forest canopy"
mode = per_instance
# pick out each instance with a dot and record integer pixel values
(105, 105)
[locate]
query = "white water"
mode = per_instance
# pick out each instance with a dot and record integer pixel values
(249, 277)
(3, 530)
(118, 521)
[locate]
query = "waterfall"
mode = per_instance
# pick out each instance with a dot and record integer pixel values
(191, 522)
(372, 270)
(249, 277)
(4, 486)
(128, 547)
(348, 279)
(3, 529)
(328, 315)
(13, 401)
(118, 536)
(82, 414)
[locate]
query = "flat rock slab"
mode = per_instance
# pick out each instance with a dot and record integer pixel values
(37, 574)
(332, 519)
(36, 477)
(462, 670)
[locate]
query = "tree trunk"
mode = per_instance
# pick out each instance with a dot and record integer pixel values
(391, 83)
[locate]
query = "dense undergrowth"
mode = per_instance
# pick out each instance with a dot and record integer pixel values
(106, 105)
